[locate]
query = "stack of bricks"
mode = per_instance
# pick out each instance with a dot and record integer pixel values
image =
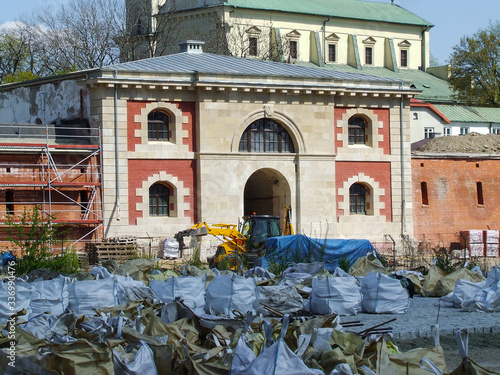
(473, 240)
(491, 241)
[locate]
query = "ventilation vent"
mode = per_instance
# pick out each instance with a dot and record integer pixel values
(191, 46)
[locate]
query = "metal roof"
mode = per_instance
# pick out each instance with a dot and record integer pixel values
(191, 63)
(433, 89)
(461, 113)
(353, 9)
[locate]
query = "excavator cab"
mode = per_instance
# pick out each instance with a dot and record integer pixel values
(257, 229)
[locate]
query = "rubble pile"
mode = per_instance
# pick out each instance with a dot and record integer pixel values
(138, 319)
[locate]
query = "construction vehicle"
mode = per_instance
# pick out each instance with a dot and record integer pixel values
(246, 243)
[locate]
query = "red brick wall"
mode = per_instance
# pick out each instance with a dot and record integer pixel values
(383, 116)
(452, 195)
(380, 172)
(141, 170)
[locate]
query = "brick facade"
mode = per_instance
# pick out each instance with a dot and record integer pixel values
(452, 197)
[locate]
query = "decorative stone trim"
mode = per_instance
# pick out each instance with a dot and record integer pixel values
(177, 198)
(375, 193)
(176, 121)
(372, 131)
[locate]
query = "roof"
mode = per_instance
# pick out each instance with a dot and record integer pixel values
(419, 103)
(207, 63)
(353, 9)
(457, 113)
(434, 89)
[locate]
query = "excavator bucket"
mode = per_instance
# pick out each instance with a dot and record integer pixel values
(202, 231)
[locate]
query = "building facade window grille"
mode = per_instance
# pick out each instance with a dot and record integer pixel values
(266, 135)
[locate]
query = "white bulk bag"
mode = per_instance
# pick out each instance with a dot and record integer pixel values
(20, 298)
(86, 295)
(283, 298)
(129, 290)
(190, 289)
(49, 296)
(383, 295)
(335, 295)
(465, 290)
(226, 293)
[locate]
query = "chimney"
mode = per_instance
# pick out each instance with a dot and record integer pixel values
(191, 46)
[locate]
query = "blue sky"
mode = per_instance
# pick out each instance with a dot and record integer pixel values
(452, 19)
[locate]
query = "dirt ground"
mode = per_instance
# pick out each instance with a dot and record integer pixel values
(484, 349)
(469, 143)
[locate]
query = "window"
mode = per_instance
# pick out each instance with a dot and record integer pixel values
(479, 188)
(252, 47)
(464, 130)
(495, 130)
(369, 55)
(158, 126)
(447, 130)
(357, 199)
(293, 49)
(356, 129)
(84, 201)
(159, 197)
(332, 53)
(9, 202)
(425, 196)
(429, 133)
(266, 135)
(404, 58)
(415, 115)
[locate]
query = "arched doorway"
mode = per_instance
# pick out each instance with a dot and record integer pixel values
(266, 193)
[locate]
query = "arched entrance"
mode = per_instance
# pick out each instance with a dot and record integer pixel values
(266, 193)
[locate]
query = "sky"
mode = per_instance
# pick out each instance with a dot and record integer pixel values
(452, 19)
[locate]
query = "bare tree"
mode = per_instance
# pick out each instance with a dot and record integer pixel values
(81, 34)
(150, 30)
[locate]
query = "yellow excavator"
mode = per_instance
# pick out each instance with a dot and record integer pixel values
(245, 243)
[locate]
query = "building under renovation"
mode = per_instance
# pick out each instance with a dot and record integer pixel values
(156, 145)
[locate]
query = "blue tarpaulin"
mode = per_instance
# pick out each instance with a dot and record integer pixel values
(302, 249)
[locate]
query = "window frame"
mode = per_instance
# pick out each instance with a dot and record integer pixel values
(330, 46)
(357, 199)
(447, 131)
(159, 204)
(464, 130)
(264, 132)
(253, 49)
(353, 134)
(404, 58)
(369, 56)
(155, 124)
(429, 132)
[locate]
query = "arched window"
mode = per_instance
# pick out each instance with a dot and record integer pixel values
(159, 197)
(266, 135)
(356, 128)
(357, 199)
(158, 126)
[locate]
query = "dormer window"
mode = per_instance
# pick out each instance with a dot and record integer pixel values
(253, 40)
(293, 44)
(404, 48)
(332, 45)
(369, 50)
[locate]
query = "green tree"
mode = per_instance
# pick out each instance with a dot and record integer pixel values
(475, 67)
(34, 236)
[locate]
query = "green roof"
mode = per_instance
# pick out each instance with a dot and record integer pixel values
(469, 114)
(353, 9)
(434, 89)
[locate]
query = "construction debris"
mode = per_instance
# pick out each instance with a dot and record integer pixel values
(141, 319)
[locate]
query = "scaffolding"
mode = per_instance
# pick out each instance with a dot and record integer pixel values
(56, 167)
